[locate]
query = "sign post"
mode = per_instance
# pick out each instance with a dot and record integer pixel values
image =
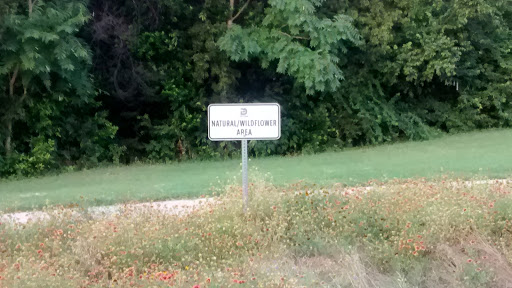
(245, 176)
(232, 122)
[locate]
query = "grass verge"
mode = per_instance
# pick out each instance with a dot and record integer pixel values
(483, 154)
(405, 234)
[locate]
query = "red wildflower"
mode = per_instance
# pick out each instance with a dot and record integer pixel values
(41, 244)
(196, 286)
(208, 280)
(39, 251)
(470, 260)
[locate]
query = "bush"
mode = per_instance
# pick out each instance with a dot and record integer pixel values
(39, 160)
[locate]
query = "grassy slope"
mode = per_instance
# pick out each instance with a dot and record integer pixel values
(487, 154)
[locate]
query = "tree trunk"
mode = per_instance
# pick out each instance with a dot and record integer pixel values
(8, 138)
(231, 10)
(31, 7)
(9, 115)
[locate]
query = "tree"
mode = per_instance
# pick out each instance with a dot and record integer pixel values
(304, 45)
(445, 63)
(40, 54)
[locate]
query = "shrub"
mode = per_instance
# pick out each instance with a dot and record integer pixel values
(38, 160)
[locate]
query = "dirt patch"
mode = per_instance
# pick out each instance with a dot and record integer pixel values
(173, 207)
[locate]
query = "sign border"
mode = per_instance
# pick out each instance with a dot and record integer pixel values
(246, 104)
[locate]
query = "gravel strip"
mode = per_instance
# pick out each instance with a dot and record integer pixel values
(172, 207)
(177, 207)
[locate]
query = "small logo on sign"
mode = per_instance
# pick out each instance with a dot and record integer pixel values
(243, 112)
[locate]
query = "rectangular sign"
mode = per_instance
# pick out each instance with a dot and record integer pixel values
(260, 121)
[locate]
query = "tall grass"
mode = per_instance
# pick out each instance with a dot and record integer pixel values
(412, 233)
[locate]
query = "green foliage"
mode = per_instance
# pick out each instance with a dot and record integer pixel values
(39, 160)
(424, 67)
(117, 151)
(192, 72)
(47, 90)
(346, 73)
(303, 44)
(437, 61)
(44, 42)
(373, 72)
(7, 164)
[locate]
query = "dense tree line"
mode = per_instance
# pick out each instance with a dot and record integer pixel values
(83, 83)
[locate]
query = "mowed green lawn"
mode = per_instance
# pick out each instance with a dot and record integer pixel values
(477, 154)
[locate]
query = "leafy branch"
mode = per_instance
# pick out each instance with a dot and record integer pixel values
(294, 37)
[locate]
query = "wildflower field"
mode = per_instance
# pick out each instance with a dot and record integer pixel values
(407, 233)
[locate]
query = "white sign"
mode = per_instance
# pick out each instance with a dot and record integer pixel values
(261, 121)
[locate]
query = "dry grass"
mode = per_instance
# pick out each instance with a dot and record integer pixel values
(407, 234)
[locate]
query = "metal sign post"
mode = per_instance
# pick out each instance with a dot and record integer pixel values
(233, 122)
(245, 176)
